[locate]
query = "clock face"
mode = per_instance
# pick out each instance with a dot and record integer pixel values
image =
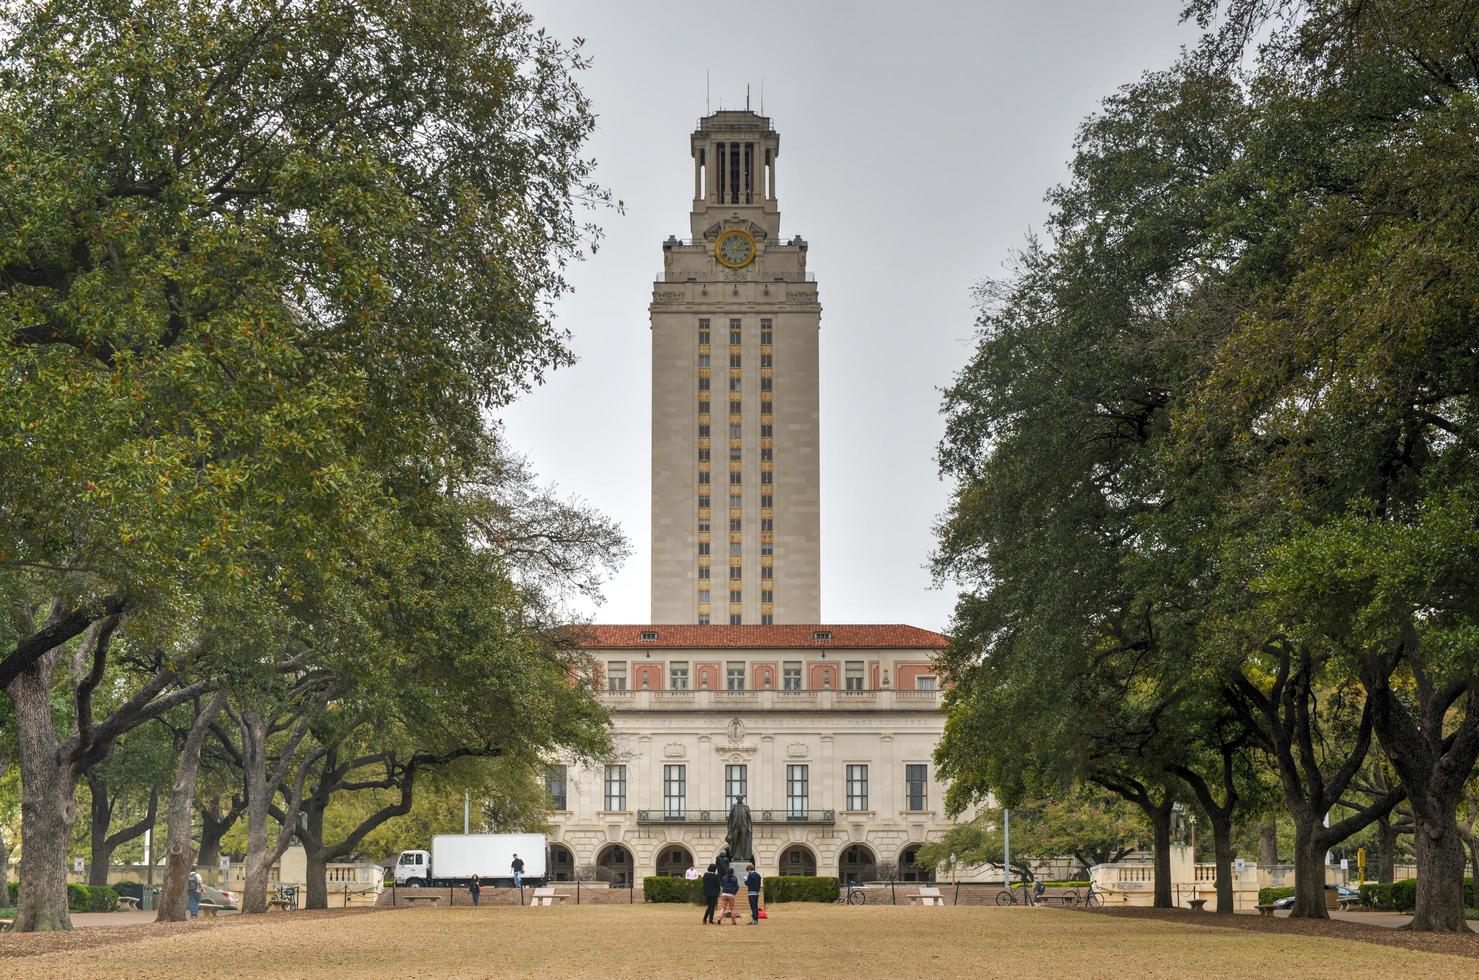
(735, 249)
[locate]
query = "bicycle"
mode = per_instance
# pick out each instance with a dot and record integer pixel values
(1089, 900)
(853, 896)
(1007, 897)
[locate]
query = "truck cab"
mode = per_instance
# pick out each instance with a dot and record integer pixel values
(413, 868)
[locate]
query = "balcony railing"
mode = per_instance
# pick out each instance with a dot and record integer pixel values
(695, 817)
(881, 699)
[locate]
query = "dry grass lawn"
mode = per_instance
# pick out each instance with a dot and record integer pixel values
(617, 941)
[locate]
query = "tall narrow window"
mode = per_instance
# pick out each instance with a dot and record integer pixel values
(674, 790)
(554, 784)
(916, 780)
(791, 675)
(678, 672)
(857, 787)
(924, 684)
(736, 784)
(734, 676)
(797, 790)
(734, 173)
(852, 676)
(616, 788)
(616, 677)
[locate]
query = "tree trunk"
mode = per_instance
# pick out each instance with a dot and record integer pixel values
(1268, 843)
(1309, 869)
(104, 843)
(312, 838)
(1440, 864)
(318, 879)
(213, 826)
(48, 806)
(259, 798)
(179, 857)
(1160, 819)
(1222, 848)
(102, 815)
(1386, 851)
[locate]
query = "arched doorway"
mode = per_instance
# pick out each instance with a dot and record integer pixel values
(561, 863)
(857, 863)
(909, 867)
(797, 859)
(617, 860)
(673, 860)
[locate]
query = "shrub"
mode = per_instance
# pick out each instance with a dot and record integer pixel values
(1268, 896)
(13, 893)
(800, 889)
(1377, 895)
(676, 890)
(80, 898)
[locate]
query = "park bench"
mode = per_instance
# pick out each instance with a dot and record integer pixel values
(279, 903)
(546, 896)
(1264, 910)
(1349, 904)
(1197, 904)
(413, 899)
(6, 925)
(128, 903)
(927, 896)
(210, 908)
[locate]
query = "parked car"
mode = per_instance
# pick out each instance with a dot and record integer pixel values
(219, 897)
(1345, 895)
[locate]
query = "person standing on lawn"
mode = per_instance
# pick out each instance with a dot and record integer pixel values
(752, 885)
(518, 866)
(728, 889)
(711, 893)
(475, 889)
(194, 887)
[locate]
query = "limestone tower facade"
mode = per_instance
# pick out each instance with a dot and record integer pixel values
(736, 534)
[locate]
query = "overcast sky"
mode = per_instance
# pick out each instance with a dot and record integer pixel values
(917, 141)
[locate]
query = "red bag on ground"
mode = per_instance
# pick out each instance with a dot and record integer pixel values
(763, 915)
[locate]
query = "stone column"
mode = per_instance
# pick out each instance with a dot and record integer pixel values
(698, 174)
(886, 783)
(826, 777)
(645, 797)
(766, 799)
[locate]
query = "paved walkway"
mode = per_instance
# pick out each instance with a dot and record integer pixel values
(88, 920)
(1387, 920)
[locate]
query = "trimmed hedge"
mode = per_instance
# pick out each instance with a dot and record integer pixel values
(797, 888)
(1401, 896)
(80, 898)
(1268, 896)
(674, 890)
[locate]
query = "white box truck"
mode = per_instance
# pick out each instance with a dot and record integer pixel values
(455, 858)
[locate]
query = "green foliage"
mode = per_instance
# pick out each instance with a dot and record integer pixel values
(1267, 896)
(84, 898)
(800, 888)
(677, 890)
(1089, 824)
(1401, 896)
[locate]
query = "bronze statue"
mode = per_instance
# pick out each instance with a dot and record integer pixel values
(739, 832)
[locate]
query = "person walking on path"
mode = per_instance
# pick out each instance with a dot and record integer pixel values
(752, 885)
(711, 894)
(194, 886)
(518, 866)
(475, 888)
(728, 890)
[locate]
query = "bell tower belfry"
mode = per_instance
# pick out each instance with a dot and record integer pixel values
(736, 526)
(734, 164)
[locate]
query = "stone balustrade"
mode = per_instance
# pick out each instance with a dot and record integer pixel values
(771, 700)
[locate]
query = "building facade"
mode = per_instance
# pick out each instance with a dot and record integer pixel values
(826, 731)
(736, 519)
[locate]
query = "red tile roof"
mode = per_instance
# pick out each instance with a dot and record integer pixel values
(846, 636)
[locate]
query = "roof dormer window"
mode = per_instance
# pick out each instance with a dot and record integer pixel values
(822, 636)
(649, 636)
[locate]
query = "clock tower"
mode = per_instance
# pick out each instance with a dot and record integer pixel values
(736, 535)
